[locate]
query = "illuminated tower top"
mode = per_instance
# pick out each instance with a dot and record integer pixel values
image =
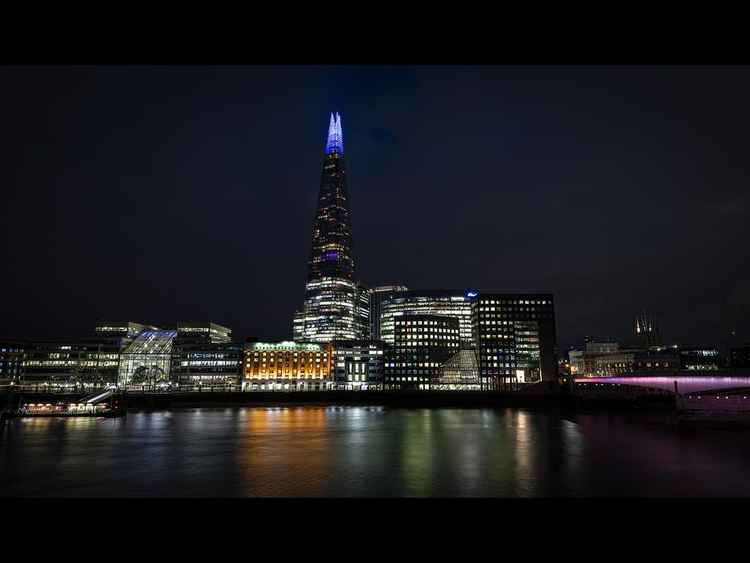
(335, 142)
(331, 252)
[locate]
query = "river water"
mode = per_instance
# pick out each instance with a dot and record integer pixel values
(371, 452)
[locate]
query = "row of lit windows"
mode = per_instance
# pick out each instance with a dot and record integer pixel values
(516, 302)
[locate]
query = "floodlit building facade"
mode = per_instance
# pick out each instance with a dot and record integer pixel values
(335, 305)
(290, 366)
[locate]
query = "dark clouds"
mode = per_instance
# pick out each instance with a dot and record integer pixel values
(166, 193)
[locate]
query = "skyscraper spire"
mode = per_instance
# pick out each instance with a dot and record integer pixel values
(336, 305)
(335, 142)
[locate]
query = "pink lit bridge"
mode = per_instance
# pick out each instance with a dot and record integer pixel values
(665, 383)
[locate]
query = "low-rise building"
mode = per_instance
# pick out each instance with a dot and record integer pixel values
(11, 360)
(358, 364)
(203, 355)
(290, 366)
(700, 359)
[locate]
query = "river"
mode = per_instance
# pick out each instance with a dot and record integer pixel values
(370, 452)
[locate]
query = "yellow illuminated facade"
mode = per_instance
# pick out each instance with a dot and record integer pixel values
(287, 365)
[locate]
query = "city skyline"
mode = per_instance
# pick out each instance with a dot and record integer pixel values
(447, 194)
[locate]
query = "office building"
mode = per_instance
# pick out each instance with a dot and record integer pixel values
(422, 345)
(358, 364)
(377, 295)
(290, 366)
(334, 301)
(447, 302)
(699, 359)
(146, 362)
(204, 355)
(515, 338)
(460, 372)
(11, 360)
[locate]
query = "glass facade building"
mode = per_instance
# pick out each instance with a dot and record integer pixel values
(203, 355)
(146, 362)
(377, 296)
(422, 345)
(448, 302)
(514, 336)
(334, 305)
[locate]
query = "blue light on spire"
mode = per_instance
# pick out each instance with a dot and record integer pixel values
(335, 136)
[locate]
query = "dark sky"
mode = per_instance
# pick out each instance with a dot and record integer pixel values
(159, 194)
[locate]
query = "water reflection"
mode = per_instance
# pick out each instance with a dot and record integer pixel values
(365, 451)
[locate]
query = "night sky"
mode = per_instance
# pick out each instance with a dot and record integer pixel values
(159, 194)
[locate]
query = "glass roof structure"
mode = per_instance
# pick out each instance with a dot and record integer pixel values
(146, 361)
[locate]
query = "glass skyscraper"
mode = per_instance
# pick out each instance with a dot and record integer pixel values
(334, 306)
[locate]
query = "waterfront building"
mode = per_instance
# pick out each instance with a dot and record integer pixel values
(50, 362)
(204, 355)
(700, 359)
(334, 301)
(377, 295)
(446, 302)
(358, 364)
(460, 372)
(11, 360)
(515, 338)
(99, 356)
(422, 345)
(290, 366)
(146, 362)
(601, 359)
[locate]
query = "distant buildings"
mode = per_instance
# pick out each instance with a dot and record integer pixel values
(647, 330)
(607, 359)
(700, 359)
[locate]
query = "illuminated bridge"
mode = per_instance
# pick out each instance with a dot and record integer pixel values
(665, 383)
